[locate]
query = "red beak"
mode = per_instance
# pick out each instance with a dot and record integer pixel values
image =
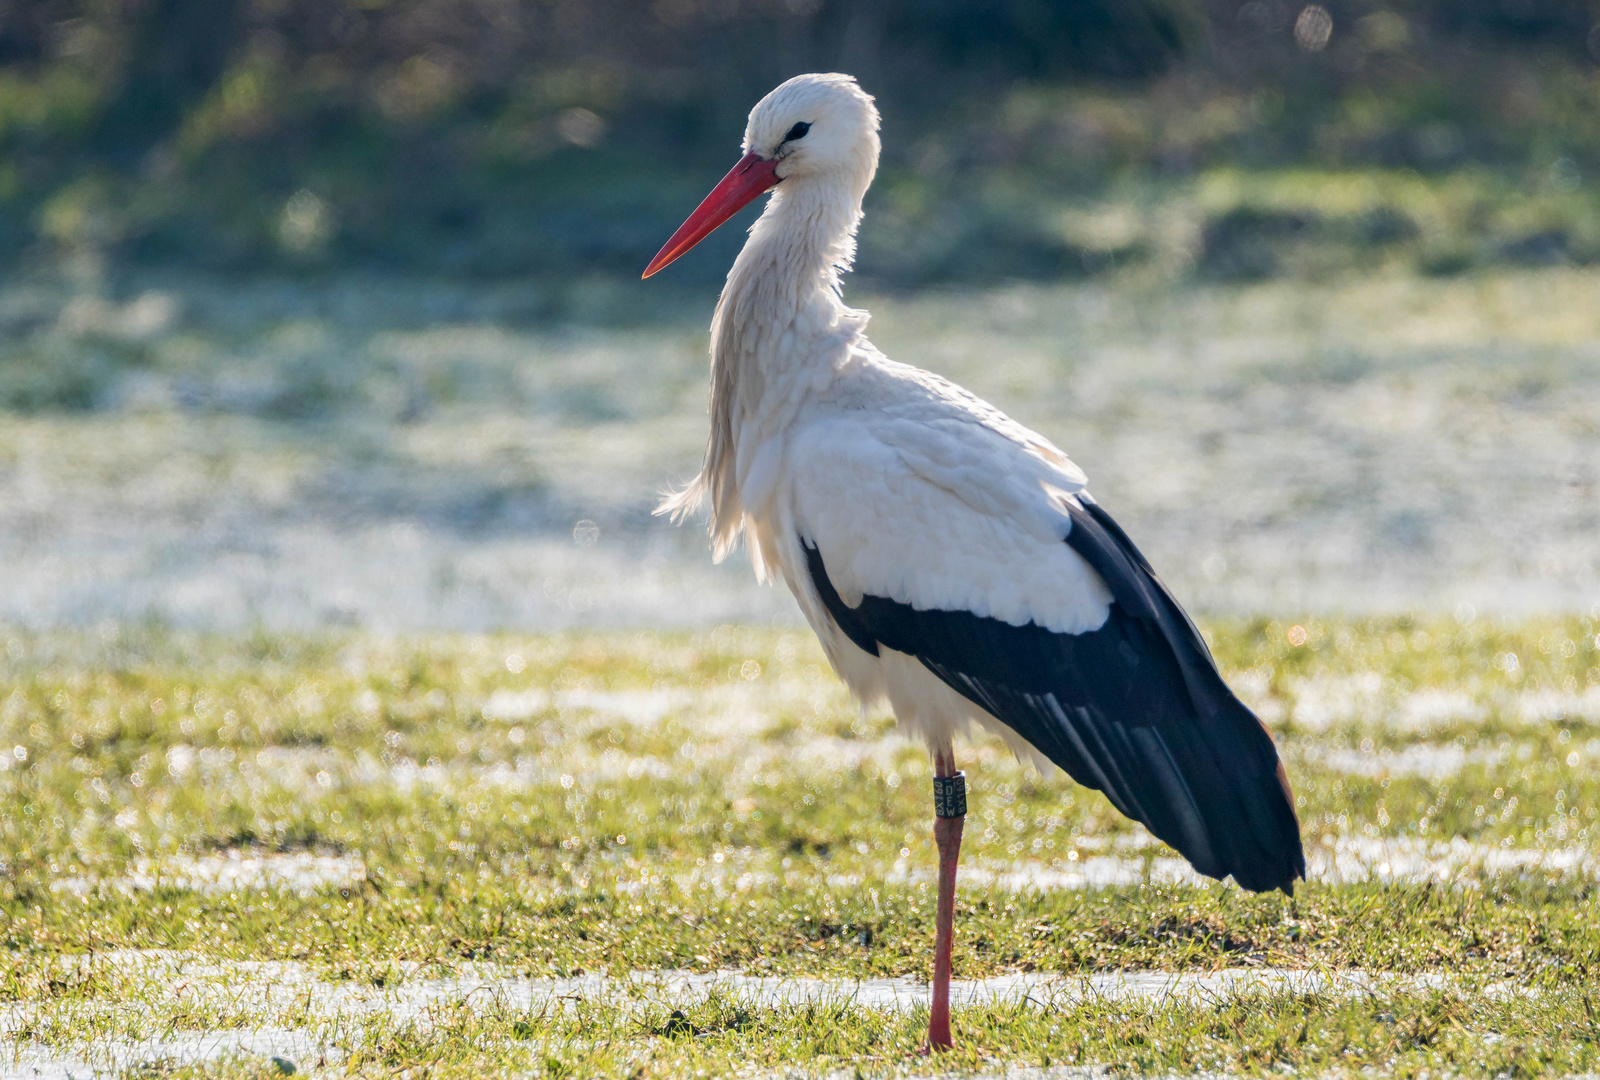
(748, 179)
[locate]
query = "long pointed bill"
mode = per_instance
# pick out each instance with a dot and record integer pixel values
(748, 179)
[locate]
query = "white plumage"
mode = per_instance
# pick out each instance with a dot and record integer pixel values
(949, 559)
(911, 487)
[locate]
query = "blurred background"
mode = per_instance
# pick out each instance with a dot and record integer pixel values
(327, 312)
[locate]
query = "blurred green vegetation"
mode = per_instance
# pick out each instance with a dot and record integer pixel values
(1024, 139)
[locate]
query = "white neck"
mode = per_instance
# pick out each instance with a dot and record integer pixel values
(779, 330)
(798, 247)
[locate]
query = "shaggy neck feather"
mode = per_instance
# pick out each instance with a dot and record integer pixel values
(775, 320)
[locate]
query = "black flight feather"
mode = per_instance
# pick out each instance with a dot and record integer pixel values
(1135, 708)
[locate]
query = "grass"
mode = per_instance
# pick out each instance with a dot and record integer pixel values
(496, 808)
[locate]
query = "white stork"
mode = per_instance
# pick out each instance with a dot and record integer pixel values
(950, 560)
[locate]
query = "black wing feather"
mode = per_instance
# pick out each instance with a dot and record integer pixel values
(1136, 708)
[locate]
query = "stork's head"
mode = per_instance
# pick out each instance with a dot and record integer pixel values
(812, 130)
(816, 127)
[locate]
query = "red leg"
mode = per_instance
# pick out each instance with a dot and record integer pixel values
(947, 837)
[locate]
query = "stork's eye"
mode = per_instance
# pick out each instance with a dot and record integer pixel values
(797, 132)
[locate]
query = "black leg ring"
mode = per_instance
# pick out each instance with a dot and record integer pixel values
(950, 795)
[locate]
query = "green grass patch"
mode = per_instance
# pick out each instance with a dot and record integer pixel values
(607, 804)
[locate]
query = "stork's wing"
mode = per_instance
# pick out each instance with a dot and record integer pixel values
(1130, 703)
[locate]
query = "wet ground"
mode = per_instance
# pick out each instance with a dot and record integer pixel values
(270, 989)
